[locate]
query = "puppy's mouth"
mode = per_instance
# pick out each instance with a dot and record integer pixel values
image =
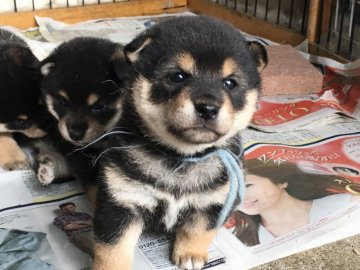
(196, 134)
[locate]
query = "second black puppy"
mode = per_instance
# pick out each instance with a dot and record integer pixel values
(21, 108)
(196, 87)
(83, 89)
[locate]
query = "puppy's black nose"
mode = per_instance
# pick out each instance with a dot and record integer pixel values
(76, 133)
(207, 112)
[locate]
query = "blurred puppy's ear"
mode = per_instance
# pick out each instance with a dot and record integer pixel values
(259, 53)
(46, 66)
(119, 64)
(134, 48)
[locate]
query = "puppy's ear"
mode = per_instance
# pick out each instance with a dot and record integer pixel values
(46, 66)
(259, 53)
(134, 48)
(119, 64)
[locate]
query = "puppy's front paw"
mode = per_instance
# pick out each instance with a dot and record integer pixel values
(11, 155)
(190, 259)
(46, 170)
(11, 165)
(191, 245)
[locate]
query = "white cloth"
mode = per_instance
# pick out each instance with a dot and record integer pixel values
(319, 209)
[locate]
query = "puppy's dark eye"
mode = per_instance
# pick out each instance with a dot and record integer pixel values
(63, 102)
(229, 84)
(178, 77)
(20, 122)
(98, 107)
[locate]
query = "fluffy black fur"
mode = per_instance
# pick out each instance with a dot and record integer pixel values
(20, 96)
(83, 86)
(193, 75)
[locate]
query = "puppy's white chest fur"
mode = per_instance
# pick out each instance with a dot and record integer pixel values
(132, 194)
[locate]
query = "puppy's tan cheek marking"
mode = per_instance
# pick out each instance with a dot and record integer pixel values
(226, 116)
(34, 132)
(63, 94)
(229, 67)
(186, 62)
(50, 105)
(3, 128)
(181, 109)
(92, 98)
(63, 130)
(134, 56)
(243, 117)
(118, 105)
(120, 255)
(192, 243)
(94, 130)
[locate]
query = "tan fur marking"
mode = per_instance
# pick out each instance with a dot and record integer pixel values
(262, 65)
(3, 128)
(134, 56)
(23, 117)
(186, 62)
(120, 255)
(63, 94)
(34, 132)
(11, 155)
(191, 245)
(92, 98)
(50, 105)
(229, 67)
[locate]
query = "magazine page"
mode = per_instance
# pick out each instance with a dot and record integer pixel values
(339, 98)
(302, 191)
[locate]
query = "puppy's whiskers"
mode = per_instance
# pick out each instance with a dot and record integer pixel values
(114, 83)
(114, 148)
(98, 139)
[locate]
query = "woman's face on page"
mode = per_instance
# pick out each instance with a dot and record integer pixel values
(261, 194)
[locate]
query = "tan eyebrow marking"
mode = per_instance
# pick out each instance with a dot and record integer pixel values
(186, 62)
(63, 94)
(92, 98)
(229, 67)
(23, 117)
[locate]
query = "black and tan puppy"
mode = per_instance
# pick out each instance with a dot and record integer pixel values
(83, 89)
(196, 87)
(20, 99)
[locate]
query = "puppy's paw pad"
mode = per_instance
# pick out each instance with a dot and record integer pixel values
(46, 172)
(189, 261)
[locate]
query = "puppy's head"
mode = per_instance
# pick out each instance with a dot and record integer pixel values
(83, 84)
(197, 84)
(20, 95)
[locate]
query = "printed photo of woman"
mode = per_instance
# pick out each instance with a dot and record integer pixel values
(282, 198)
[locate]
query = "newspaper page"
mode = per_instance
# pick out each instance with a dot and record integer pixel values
(121, 30)
(303, 190)
(28, 235)
(311, 144)
(31, 233)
